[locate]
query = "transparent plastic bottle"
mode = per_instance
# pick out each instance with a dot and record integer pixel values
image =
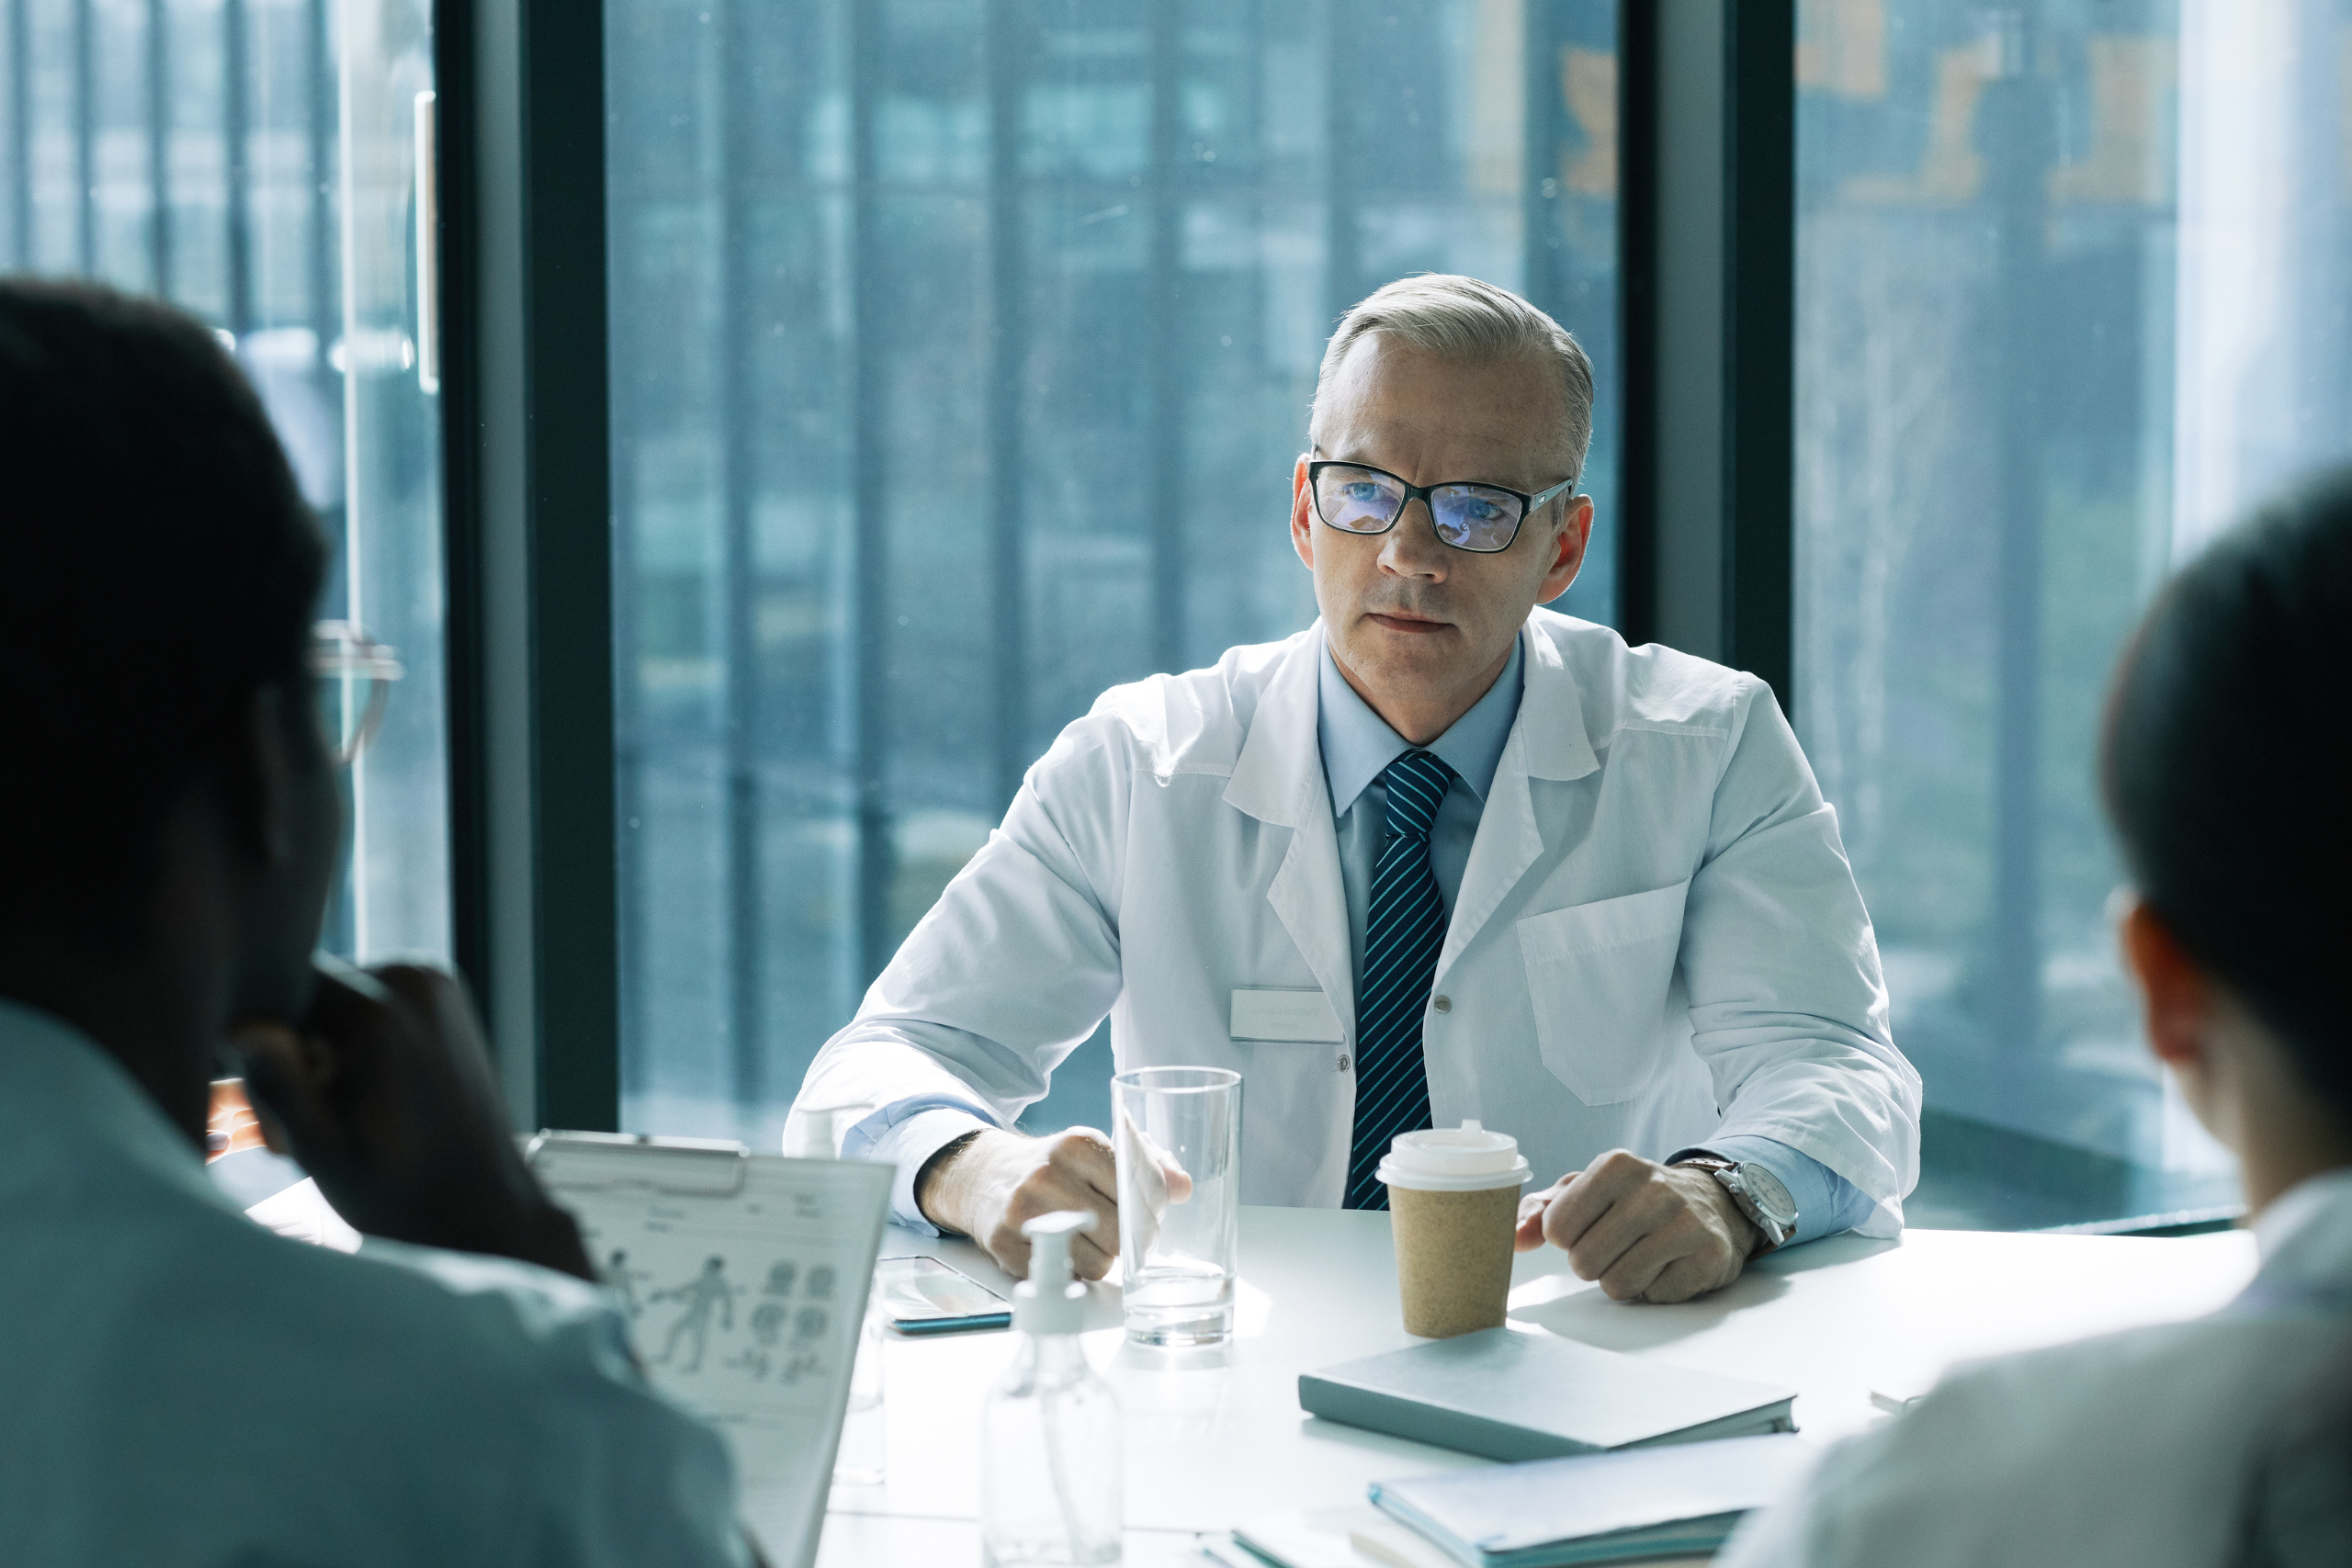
(1052, 1461)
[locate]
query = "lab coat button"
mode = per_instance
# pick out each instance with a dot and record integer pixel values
(1344, 1061)
(1443, 1004)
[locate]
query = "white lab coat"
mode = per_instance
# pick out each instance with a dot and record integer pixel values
(2170, 1447)
(1656, 940)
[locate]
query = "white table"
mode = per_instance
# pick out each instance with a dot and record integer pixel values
(1214, 1446)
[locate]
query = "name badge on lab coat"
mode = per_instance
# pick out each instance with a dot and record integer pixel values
(1303, 1016)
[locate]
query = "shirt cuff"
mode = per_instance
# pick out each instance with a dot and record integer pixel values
(1826, 1202)
(906, 1134)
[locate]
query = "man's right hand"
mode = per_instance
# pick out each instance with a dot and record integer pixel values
(988, 1187)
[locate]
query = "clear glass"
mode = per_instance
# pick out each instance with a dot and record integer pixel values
(960, 355)
(1053, 1460)
(2071, 298)
(1179, 1155)
(254, 162)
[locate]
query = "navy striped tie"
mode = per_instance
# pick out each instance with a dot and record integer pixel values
(1404, 930)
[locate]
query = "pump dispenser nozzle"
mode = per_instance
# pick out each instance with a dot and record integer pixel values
(1051, 1300)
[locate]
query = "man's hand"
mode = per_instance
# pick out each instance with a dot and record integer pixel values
(1647, 1230)
(988, 1187)
(383, 1093)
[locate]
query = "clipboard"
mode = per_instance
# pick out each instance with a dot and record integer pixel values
(744, 1280)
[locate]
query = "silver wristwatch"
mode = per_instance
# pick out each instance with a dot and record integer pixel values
(1759, 1194)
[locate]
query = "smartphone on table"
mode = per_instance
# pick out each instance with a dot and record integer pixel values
(923, 1295)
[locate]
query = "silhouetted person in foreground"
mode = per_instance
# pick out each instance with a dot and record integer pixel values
(182, 1386)
(2226, 1442)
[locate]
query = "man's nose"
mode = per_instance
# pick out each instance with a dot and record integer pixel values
(1412, 547)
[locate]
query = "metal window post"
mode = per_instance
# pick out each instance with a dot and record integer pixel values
(159, 150)
(20, 131)
(1164, 311)
(2017, 115)
(1341, 243)
(738, 427)
(524, 409)
(1709, 277)
(1006, 398)
(326, 310)
(868, 683)
(86, 138)
(236, 137)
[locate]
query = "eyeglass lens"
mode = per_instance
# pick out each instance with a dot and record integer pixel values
(1365, 501)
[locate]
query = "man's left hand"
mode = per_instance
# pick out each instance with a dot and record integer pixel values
(1647, 1232)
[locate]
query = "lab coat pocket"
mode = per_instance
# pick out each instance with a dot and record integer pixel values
(1597, 975)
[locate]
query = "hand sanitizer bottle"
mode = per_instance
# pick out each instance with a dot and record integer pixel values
(1051, 1459)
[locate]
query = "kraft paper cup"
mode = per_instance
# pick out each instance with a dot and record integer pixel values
(1453, 1199)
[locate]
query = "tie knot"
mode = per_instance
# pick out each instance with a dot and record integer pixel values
(1417, 782)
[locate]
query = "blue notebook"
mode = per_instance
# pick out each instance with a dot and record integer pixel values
(1603, 1507)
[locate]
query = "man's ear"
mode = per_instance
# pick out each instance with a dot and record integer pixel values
(1302, 515)
(2177, 995)
(1568, 547)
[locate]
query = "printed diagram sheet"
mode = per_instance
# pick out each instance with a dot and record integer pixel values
(743, 1278)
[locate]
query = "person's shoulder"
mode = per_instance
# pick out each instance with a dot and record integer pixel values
(434, 1325)
(1649, 687)
(2020, 1459)
(328, 1392)
(1192, 722)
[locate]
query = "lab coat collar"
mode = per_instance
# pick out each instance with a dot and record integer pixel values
(1548, 742)
(1278, 779)
(1282, 757)
(1281, 765)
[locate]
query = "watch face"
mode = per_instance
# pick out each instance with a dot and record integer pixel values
(1769, 1195)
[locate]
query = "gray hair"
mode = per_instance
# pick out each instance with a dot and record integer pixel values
(1460, 318)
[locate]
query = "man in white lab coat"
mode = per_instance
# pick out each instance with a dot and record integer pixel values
(1443, 855)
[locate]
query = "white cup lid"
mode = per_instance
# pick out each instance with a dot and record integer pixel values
(1467, 1158)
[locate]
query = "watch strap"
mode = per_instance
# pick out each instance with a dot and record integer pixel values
(1771, 1233)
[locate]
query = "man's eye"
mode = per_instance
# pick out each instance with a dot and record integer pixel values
(1363, 492)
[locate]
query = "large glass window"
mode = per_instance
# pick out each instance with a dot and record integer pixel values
(2074, 283)
(256, 162)
(960, 355)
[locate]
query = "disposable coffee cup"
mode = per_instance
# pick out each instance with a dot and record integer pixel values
(1453, 1198)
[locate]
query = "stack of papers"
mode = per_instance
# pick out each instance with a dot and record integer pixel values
(1606, 1507)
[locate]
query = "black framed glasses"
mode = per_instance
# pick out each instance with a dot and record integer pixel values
(1356, 498)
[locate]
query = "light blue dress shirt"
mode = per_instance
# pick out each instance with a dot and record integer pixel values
(1358, 746)
(184, 1387)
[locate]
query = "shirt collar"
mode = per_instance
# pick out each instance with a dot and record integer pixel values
(66, 1104)
(2308, 1228)
(1357, 744)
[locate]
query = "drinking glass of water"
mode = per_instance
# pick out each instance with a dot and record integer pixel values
(1179, 1143)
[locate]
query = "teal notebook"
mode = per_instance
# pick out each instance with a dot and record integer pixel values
(1605, 1507)
(1506, 1394)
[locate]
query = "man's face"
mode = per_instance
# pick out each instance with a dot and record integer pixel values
(1420, 628)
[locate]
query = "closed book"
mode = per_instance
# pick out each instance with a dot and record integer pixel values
(1511, 1395)
(1605, 1507)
